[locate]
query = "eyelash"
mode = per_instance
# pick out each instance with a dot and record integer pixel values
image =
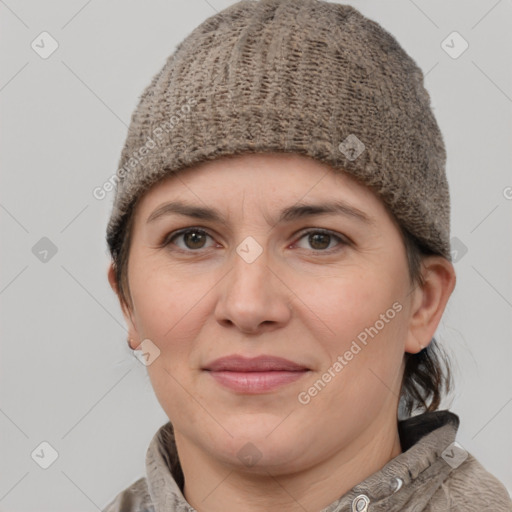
(343, 241)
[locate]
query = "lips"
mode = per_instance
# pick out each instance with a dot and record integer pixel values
(256, 364)
(256, 375)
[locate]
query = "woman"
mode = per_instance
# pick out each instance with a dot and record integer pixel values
(280, 249)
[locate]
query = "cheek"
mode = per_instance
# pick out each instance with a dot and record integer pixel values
(362, 332)
(166, 303)
(359, 306)
(171, 311)
(360, 379)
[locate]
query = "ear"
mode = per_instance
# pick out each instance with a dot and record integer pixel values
(133, 336)
(429, 301)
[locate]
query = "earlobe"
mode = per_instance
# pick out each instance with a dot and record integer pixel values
(429, 302)
(132, 345)
(415, 345)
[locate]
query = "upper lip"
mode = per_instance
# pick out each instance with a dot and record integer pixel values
(263, 363)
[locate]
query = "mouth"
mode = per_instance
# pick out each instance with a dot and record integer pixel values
(254, 375)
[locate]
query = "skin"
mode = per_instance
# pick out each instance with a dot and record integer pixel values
(302, 299)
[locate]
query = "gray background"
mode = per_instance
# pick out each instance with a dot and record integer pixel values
(67, 377)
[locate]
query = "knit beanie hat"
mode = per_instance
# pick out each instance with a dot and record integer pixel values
(303, 76)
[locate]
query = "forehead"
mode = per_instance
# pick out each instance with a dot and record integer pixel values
(272, 179)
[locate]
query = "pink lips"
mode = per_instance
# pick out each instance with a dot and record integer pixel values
(254, 375)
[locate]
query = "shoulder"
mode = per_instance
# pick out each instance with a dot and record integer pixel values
(134, 498)
(471, 488)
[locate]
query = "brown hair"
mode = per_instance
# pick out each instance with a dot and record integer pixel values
(427, 374)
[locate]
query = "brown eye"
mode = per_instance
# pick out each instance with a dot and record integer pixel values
(322, 241)
(193, 239)
(319, 240)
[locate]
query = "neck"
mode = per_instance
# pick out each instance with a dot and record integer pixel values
(214, 487)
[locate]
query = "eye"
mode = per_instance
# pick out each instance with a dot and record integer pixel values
(193, 239)
(321, 239)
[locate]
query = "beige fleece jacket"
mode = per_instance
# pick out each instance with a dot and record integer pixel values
(431, 475)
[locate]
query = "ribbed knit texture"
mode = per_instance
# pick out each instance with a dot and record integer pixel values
(293, 76)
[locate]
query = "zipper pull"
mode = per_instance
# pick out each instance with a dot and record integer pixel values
(360, 504)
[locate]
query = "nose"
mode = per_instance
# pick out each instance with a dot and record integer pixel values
(253, 297)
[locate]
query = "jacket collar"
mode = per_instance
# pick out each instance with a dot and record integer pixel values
(420, 470)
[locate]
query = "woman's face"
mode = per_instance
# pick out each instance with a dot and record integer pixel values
(258, 274)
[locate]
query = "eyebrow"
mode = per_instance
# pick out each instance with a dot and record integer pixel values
(289, 214)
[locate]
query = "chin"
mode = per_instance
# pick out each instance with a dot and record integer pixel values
(258, 445)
